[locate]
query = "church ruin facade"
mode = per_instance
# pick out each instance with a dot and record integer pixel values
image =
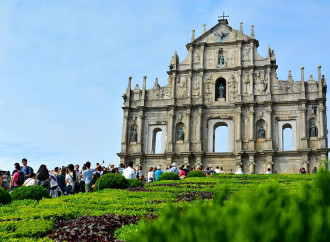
(225, 84)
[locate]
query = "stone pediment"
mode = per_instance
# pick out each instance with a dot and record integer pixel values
(221, 33)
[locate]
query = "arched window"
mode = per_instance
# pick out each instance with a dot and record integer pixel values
(287, 137)
(180, 133)
(157, 141)
(220, 138)
(220, 88)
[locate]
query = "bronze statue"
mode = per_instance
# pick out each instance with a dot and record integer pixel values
(221, 91)
(133, 135)
(313, 130)
(261, 132)
(180, 134)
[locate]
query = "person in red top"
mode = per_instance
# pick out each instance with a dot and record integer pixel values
(182, 173)
(14, 178)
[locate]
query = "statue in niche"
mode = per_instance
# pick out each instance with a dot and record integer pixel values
(221, 58)
(313, 130)
(221, 91)
(261, 132)
(133, 135)
(180, 134)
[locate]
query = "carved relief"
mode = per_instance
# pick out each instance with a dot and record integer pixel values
(158, 92)
(246, 53)
(196, 87)
(231, 58)
(181, 90)
(232, 89)
(210, 59)
(260, 82)
(246, 82)
(197, 57)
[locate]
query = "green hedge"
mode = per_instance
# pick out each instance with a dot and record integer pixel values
(30, 192)
(4, 196)
(168, 176)
(111, 180)
(135, 183)
(266, 213)
(196, 173)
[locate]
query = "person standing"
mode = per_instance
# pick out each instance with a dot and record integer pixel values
(26, 169)
(70, 180)
(87, 175)
(129, 172)
(151, 175)
(158, 172)
(174, 169)
(16, 178)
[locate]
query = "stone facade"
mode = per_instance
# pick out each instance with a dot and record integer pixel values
(225, 82)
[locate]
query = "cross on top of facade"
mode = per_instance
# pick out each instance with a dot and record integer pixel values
(223, 16)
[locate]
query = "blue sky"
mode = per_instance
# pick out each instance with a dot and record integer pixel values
(64, 64)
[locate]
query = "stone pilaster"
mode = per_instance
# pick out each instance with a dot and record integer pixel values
(252, 54)
(140, 132)
(251, 85)
(251, 135)
(187, 132)
(239, 129)
(202, 55)
(304, 144)
(269, 137)
(239, 54)
(239, 86)
(173, 89)
(269, 92)
(170, 131)
(321, 126)
(251, 164)
(124, 134)
(199, 130)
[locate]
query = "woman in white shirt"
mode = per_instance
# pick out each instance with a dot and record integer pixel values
(70, 179)
(151, 175)
(30, 181)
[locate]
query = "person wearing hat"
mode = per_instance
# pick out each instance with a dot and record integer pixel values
(111, 167)
(174, 169)
(158, 172)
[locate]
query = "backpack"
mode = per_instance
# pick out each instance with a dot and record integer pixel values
(21, 179)
(76, 187)
(30, 169)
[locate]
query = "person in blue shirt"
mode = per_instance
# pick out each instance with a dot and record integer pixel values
(158, 172)
(87, 175)
(26, 169)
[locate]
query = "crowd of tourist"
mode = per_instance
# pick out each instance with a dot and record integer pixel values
(71, 179)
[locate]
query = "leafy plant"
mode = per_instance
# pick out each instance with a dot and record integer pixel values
(30, 192)
(196, 173)
(135, 183)
(111, 180)
(4, 196)
(168, 176)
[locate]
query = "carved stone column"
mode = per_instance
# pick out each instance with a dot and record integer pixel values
(189, 87)
(269, 137)
(323, 143)
(239, 129)
(187, 132)
(191, 57)
(251, 140)
(252, 53)
(269, 162)
(239, 86)
(252, 85)
(251, 164)
(124, 134)
(202, 55)
(199, 130)
(173, 89)
(239, 54)
(305, 162)
(304, 144)
(269, 95)
(170, 131)
(139, 136)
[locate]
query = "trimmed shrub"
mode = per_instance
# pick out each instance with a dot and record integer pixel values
(30, 192)
(168, 176)
(135, 183)
(111, 180)
(196, 174)
(4, 196)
